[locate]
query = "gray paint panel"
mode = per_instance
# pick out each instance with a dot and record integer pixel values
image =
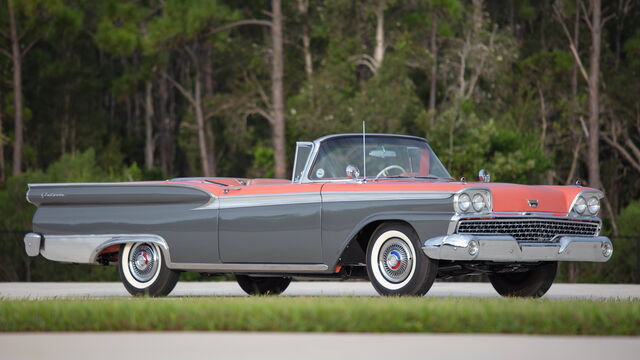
(115, 193)
(190, 235)
(276, 233)
(343, 220)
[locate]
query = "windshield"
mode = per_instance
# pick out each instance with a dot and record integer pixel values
(386, 156)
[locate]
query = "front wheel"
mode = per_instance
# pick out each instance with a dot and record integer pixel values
(532, 283)
(143, 270)
(256, 285)
(396, 264)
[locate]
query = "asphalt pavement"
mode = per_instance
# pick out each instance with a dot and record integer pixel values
(306, 288)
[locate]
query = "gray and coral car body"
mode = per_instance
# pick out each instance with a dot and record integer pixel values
(322, 222)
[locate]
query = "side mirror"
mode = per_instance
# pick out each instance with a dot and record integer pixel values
(352, 171)
(483, 176)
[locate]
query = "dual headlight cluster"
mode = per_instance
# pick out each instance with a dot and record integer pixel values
(587, 203)
(472, 201)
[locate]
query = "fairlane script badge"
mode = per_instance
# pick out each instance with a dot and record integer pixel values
(533, 203)
(51, 195)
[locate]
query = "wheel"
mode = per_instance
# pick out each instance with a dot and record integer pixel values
(143, 271)
(255, 285)
(533, 283)
(396, 264)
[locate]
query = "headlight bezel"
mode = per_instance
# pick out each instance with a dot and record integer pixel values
(587, 203)
(470, 194)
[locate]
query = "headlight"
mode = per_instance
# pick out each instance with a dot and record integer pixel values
(478, 202)
(472, 200)
(593, 205)
(580, 206)
(464, 202)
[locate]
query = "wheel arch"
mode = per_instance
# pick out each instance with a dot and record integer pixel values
(354, 249)
(108, 245)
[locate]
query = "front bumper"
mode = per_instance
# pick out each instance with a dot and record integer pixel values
(505, 248)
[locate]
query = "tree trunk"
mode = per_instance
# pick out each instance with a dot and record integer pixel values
(434, 64)
(574, 71)
(166, 128)
(593, 160)
(64, 128)
(278, 135)
(202, 135)
(2, 164)
(378, 53)
(303, 9)
(148, 126)
(16, 58)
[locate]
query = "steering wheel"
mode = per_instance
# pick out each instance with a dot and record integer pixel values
(385, 171)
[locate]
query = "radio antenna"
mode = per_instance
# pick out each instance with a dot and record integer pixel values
(364, 152)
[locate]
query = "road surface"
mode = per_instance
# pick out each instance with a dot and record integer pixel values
(310, 346)
(306, 288)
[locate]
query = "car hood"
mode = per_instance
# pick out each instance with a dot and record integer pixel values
(518, 198)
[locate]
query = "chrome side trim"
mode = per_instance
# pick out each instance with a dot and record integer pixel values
(241, 201)
(124, 239)
(244, 267)
(507, 249)
(84, 249)
(340, 196)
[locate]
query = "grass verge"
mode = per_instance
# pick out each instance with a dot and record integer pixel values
(321, 314)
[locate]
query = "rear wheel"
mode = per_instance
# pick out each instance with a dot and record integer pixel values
(143, 270)
(256, 285)
(532, 283)
(396, 264)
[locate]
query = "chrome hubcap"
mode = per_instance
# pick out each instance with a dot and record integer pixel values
(395, 260)
(143, 261)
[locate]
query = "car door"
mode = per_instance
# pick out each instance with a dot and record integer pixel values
(271, 224)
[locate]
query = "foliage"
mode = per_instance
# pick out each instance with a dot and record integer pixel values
(322, 314)
(509, 96)
(17, 215)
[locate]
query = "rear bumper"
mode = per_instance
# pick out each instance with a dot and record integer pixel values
(502, 248)
(83, 249)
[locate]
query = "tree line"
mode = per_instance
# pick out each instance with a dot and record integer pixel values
(534, 91)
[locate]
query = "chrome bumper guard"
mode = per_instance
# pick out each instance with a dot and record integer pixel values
(32, 243)
(505, 248)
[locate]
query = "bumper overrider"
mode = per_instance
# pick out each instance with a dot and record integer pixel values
(505, 248)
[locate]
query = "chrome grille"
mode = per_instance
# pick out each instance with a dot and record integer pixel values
(529, 229)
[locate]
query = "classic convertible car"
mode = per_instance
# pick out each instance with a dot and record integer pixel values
(374, 206)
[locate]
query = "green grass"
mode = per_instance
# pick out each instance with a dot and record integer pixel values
(311, 314)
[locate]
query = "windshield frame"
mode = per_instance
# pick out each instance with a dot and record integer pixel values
(313, 158)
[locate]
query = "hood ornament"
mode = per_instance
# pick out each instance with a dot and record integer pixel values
(533, 203)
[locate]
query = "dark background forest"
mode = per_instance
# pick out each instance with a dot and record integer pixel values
(537, 92)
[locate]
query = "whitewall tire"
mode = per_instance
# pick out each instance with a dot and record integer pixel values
(396, 264)
(143, 270)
